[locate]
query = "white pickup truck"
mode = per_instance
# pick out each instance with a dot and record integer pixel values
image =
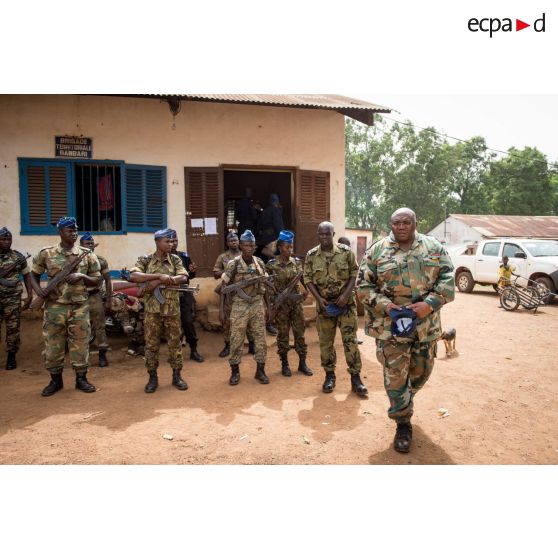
(533, 259)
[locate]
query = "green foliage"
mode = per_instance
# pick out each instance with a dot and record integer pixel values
(392, 166)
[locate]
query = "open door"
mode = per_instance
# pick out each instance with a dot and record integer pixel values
(204, 216)
(312, 207)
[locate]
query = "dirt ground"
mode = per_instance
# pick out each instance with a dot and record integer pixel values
(501, 393)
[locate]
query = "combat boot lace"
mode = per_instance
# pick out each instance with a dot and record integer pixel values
(260, 373)
(403, 437)
(56, 384)
(153, 382)
(177, 380)
(82, 383)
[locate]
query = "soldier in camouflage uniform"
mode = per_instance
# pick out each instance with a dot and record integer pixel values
(405, 269)
(223, 259)
(66, 314)
(96, 305)
(10, 293)
(162, 319)
(285, 268)
(247, 315)
(330, 271)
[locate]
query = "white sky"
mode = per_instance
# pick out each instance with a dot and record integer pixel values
(503, 120)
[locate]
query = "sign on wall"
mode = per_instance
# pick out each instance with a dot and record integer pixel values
(73, 146)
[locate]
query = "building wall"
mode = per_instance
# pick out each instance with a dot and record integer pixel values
(139, 131)
(353, 234)
(454, 231)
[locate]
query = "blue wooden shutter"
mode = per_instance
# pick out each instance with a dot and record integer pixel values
(146, 198)
(45, 195)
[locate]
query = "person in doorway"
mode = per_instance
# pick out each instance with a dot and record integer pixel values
(246, 213)
(403, 282)
(162, 319)
(270, 225)
(12, 265)
(249, 307)
(96, 306)
(66, 319)
(285, 268)
(218, 269)
(187, 303)
(330, 272)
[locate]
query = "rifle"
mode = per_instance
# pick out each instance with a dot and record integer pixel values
(238, 287)
(286, 295)
(58, 279)
(6, 271)
(182, 288)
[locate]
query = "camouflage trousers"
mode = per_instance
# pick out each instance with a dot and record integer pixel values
(290, 316)
(407, 367)
(10, 314)
(348, 325)
(66, 324)
(155, 326)
(247, 318)
(97, 316)
(227, 324)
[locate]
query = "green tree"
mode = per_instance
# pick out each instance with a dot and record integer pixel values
(521, 183)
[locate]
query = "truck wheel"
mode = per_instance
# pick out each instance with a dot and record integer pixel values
(546, 285)
(465, 282)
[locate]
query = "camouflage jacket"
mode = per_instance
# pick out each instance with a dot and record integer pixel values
(284, 273)
(170, 265)
(238, 270)
(53, 259)
(6, 260)
(330, 271)
(223, 259)
(389, 274)
(103, 267)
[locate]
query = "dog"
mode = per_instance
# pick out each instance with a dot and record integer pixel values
(448, 337)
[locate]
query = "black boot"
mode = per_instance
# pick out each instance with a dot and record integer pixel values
(103, 358)
(194, 355)
(56, 384)
(251, 348)
(83, 384)
(329, 383)
(177, 380)
(285, 370)
(303, 367)
(403, 437)
(271, 330)
(153, 382)
(11, 363)
(235, 375)
(357, 386)
(226, 350)
(260, 373)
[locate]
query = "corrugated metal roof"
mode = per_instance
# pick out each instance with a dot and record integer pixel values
(354, 108)
(544, 226)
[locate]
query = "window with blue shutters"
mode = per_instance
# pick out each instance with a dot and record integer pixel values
(106, 197)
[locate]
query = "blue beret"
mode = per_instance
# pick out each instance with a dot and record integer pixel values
(67, 223)
(274, 198)
(232, 234)
(165, 233)
(5, 232)
(86, 236)
(286, 236)
(403, 322)
(248, 236)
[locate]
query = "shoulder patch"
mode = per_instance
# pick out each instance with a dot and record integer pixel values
(273, 260)
(312, 251)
